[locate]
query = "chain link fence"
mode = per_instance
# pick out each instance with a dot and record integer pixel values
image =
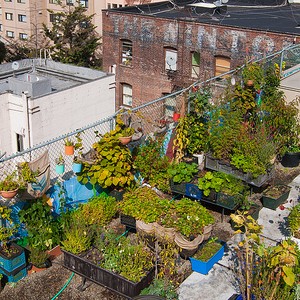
(151, 116)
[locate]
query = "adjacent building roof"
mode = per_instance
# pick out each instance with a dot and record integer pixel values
(40, 77)
(266, 15)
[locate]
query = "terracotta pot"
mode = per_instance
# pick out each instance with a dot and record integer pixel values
(250, 82)
(125, 139)
(69, 150)
(9, 194)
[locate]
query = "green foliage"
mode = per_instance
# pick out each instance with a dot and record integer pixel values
(113, 166)
(26, 174)
(143, 204)
(38, 257)
(73, 26)
(264, 272)
(182, 172)
(128, 257)
(187, 216)
(43, 228)
(68, 142)
(60, 160)
(209, 249)
(221, 182)
(7, 231)
(150, 160)
(254, 72)
(78, 235)
(294, 221)
(10, 182)
(99, 210)
(161, 287)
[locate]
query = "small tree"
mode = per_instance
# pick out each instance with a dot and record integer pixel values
(74, 37)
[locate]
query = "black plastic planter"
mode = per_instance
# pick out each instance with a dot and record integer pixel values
(291, 159)
(108, 279)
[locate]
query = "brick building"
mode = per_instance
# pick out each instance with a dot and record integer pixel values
(157, 48)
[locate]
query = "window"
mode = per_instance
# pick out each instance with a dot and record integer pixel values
(70, 2)
(23, 36)
(54, 18)
(8, 0)
(21, 1)
(171, 60)
(21, 18)
(108, 6)
(127, 94)
(84, 3)
(120, 5)
(54, 1)
(195, 65)
(20, 142)
(10, 34)
(8, 16)
(127, 53)
(115, 5)
(1, 27)
(222, 65)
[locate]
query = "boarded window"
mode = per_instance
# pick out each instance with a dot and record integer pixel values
(222, 65)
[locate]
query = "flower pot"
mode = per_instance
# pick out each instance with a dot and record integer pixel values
(77, 167)
(125, 140)
(204, 267)
(9, 194)
(69, 150)
(15, 260)
(272, 200)
(290, 159)
(60, 169)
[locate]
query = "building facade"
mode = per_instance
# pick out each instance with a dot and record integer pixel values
(158, 48)
(41, 100)
(24, 19)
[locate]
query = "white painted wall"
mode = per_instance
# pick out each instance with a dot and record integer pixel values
(55, 114)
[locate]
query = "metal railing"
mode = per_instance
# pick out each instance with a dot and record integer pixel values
(148, 115)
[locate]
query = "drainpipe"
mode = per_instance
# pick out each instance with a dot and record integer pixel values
(25, 99)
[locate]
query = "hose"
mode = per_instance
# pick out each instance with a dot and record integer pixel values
(63, 288)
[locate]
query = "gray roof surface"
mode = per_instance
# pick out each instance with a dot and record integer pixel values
(266, 15)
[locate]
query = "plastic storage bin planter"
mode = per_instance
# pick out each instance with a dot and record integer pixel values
(272, 202)
(106, 278)
(15, 275)
(13, 262)
(204, 267)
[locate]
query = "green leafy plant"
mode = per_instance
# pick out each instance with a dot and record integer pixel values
(187, 216)
(143, 204)
(43, 228)
(10, 182)
(60, 160)
(208, 250)
(161, 287)
(78, 147)
(294, 221)
(68, 142)
(26, 174)
(38, 257)
(182, 172)
(221, 182)
(128, 257)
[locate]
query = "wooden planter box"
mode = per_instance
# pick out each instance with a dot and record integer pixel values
(273, 202)
(204, 267)
(106, 278)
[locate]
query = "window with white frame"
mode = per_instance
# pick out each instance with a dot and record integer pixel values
(21, 1)
(195, 65)
(126, 58)
(84, 3)
(8, 16)
(22, 18)
(54, 18)
(10, 34)
(126, 94)
(222, 65)
(23, 36)
(170, 59)
(70, 2)
(54, 1)
(8, 0)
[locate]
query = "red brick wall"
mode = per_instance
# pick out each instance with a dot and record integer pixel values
(151, 34)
